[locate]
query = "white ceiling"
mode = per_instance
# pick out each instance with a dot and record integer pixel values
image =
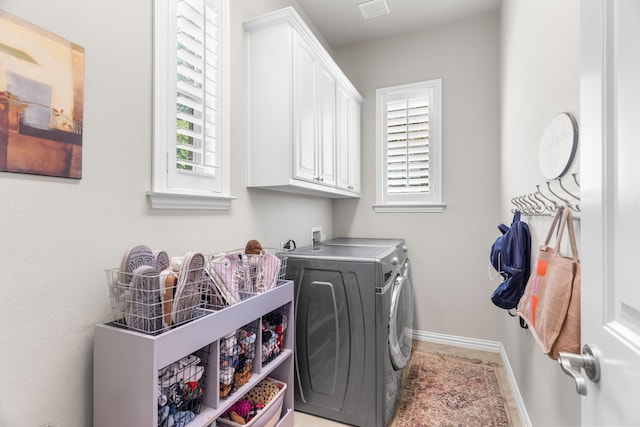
(341, 24)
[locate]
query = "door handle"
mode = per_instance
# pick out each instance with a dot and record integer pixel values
(572, 363)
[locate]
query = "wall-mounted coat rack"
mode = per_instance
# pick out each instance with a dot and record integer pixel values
(547, 200)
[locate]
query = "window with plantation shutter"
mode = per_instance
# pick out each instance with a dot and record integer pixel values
(408, 153)
(191, 105)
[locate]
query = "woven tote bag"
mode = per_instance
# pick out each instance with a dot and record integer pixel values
(550, 305)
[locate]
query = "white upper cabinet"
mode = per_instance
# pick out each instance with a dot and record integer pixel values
(303, 113)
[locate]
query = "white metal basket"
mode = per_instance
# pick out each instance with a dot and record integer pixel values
(233, 276)
(152, 302)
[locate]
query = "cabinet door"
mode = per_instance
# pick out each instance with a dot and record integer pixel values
(354, 146)
(326, 120)
(342, 138)
(305, 141)
(348, 141)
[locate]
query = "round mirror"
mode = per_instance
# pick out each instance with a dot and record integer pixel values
(558, 145)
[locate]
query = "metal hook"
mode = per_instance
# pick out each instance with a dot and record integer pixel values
(529, 208)
(513, 202)
(545, 207)
(567, 191)
(575, 178)
(575, 207)
(566, 202)
(519, 206)
(554, 206)
(536, 205)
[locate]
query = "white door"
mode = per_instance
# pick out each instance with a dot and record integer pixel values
(610, 189)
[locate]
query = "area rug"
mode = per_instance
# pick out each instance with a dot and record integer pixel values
(446, 390)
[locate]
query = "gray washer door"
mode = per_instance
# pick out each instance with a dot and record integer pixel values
(401, 320)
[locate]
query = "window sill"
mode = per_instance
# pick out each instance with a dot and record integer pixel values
(409, 208)
(189, 201)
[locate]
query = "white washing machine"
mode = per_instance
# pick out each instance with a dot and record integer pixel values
(354, 315)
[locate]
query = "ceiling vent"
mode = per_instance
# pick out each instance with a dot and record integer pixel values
(374, 8)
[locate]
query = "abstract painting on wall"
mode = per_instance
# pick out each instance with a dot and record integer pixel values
(41, 101)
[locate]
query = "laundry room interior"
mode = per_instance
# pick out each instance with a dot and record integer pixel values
(507, 67)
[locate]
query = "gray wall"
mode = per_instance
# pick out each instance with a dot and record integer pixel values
(540, 77)
(449, 250)
(503, 80)
(58, 235)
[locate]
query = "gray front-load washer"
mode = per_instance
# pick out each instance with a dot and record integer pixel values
(352, 334)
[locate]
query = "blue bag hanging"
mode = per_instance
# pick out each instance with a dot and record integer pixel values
(511, 257)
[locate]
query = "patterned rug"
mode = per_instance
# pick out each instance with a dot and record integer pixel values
(446, 390)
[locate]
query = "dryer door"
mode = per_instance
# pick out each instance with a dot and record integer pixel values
(401, 320)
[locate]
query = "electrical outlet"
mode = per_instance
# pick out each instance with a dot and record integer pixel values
(316, 237)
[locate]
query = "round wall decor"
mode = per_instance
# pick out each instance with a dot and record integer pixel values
(558, 145)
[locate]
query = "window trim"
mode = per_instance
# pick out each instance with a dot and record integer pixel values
(434, 202)
(162, 196)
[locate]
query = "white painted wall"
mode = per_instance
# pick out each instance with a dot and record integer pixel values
(540, 72)
(58, 235)
(449, 250)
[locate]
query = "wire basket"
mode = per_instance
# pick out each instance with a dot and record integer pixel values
(234, 276)
(181, 387)
(237, 352)
(152, 302)
(274, 332)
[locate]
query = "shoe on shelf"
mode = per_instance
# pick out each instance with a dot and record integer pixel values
(146, 305)
(187, 296)
(160, 260)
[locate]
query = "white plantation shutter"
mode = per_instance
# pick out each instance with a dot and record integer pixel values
(197, 139)
(191, 98)
(408, 146)
(408, 152)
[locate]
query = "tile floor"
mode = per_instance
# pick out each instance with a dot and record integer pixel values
(306, 420)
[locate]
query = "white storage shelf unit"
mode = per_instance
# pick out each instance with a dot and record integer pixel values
(126, 363)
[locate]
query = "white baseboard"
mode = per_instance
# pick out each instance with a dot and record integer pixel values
(484, 345)
(472, 343)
